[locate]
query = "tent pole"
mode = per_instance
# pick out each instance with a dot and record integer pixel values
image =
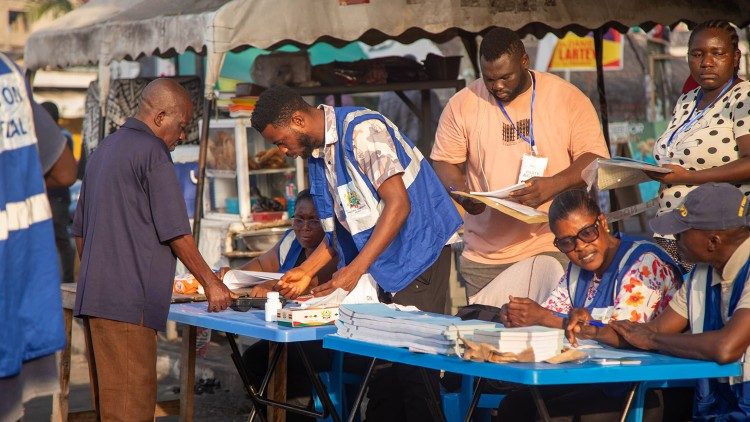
(598, 52)
(203, 152)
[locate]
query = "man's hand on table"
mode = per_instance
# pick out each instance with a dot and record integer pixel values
(538, 190)
(640, 336)
(345, 278)
(218, 295)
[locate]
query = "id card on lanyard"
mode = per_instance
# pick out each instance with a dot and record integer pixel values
(532, 165)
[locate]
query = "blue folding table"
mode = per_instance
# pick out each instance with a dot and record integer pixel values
(250, 324)
(653, 367)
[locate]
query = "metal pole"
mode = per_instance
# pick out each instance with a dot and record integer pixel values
(203, 152)
(598, 52)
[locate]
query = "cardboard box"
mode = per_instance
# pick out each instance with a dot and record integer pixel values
(311, 317)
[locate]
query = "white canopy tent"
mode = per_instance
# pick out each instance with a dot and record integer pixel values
(105, 30)
(102, 31)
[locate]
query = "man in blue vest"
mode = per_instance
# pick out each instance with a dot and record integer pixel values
(711, 228)
(385, 213)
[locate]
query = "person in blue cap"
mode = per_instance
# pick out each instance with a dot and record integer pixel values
(713, 305)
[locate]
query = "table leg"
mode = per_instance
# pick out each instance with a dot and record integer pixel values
(239, 364)
(361, 392)
(187, 373)
(435, 410)
(631, 393)
(474, 399)
(277, 385)
(322, 393)
(540, 406)
(60, 400)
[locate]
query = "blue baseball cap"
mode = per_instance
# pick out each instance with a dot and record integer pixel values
(711, 206)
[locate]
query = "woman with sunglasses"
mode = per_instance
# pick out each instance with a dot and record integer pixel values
(627, 279)
(296, 245)
(613, 277)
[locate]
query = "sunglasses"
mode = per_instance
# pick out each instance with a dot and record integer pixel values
(587, 234)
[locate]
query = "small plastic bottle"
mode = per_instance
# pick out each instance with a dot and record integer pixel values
(273, 305)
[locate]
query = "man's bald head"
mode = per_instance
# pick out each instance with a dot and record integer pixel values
(166, 109)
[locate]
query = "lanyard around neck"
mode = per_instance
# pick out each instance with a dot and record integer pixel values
(692, 119)
(530, 139)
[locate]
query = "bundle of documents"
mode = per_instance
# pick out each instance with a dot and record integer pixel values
(407, 327)
(618, 172)
(544, 342)
(498, 200)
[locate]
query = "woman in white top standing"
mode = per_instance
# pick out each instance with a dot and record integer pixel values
(708, 138)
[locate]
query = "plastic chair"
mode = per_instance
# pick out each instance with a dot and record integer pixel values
(334, 382)
(455, 405)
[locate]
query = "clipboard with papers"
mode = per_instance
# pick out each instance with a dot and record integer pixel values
(513, 209)
(618, 172)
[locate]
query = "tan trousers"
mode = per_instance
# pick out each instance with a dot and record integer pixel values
(122, 367)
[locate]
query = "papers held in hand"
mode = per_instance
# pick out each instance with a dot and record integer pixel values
(237, 279)
(514, 209)
(618, 172)
(501, 193)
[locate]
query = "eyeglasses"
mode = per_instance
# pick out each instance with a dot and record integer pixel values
(587, 234)
(311, 223)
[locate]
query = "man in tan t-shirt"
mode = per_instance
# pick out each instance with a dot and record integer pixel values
(479, 146)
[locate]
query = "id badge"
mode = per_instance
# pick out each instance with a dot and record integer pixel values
(532, 166)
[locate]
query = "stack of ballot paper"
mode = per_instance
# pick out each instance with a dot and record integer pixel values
(396, 326)
(544, 342)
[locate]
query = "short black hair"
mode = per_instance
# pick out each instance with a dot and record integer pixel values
(51, 109)
(572, 200)
(720, 25)
(275, 106)
(499, 41)
(304, 194)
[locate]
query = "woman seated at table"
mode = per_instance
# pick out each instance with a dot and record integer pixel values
(614, 277)
(296, 245)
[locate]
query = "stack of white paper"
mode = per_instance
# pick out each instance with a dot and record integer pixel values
(237, 279)
(419, 331)
(544, 342)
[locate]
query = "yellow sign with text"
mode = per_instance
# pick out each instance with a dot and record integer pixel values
(577, 53)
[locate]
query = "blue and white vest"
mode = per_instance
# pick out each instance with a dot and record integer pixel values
(289, 251)
(717, 399)
(31, 324)
(578, 279)
(432, 221)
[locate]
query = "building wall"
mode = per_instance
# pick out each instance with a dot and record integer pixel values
(14, 27)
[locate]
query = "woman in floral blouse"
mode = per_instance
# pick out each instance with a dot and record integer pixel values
(613, 277)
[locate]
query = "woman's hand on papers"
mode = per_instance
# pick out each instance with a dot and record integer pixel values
(538, 190)
(679, 175)
(345, 278)
(294, 283)
(523, 312)
(577, 319)
(638, 335)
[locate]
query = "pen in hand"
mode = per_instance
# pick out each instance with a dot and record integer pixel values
(592, 322)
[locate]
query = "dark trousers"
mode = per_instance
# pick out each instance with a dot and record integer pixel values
(65, 250)
(398, 392)
(579, 403)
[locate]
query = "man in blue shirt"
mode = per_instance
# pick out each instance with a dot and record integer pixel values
(130, 224)
(711, 228)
